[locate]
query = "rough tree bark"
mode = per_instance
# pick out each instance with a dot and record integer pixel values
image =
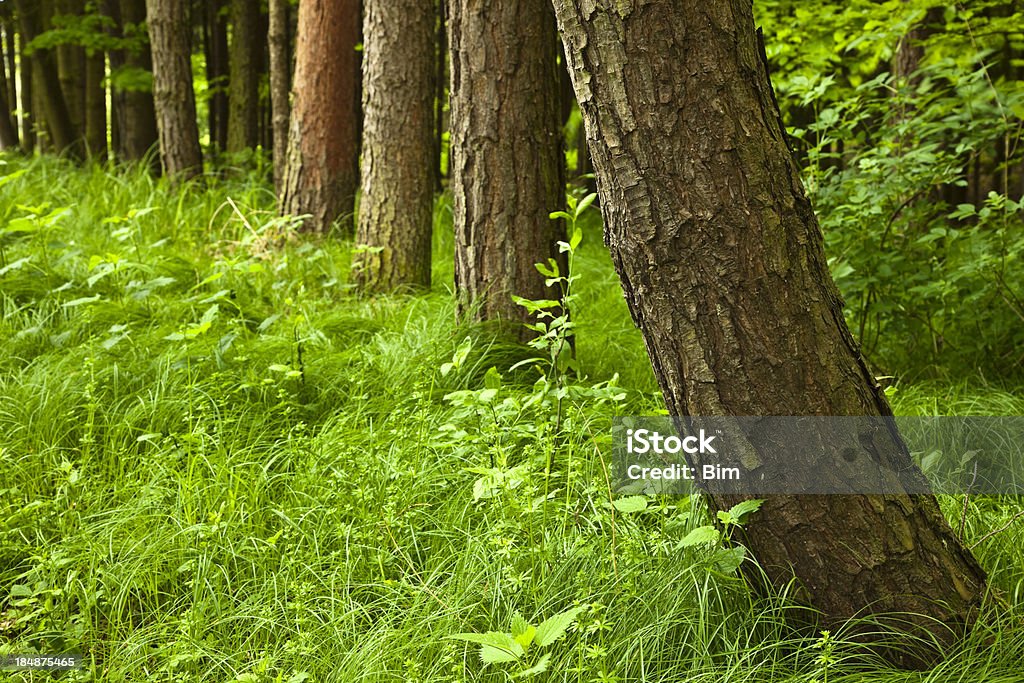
(244, 79)
(134, 114)
(173, 94)
(70, 60)
(55, 110)
(396, 206)
(322, 166)
(507, 166)
(722, 263)
(280, 80)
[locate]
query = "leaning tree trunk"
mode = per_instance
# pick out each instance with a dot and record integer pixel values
(507, 166)
(722, 263)
(322, 166)
(279, 53)
(244, 80)
(395, 209)
(175, 99)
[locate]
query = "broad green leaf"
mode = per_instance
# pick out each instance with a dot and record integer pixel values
(740, 511)
(553, 628)
(728, 560)
(630, 504)
(496, 647)
(702, 535)
(540, 667)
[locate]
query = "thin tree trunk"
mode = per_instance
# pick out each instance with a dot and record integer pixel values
(8, 95)
(95, 106)
(58, 122)
(440, 85)
(28, 110)
(280, 84)
(722, 264)
(173, 94)
(216, 47)
(243, 82)
(507, 166)
(398, 162)
(322, 167)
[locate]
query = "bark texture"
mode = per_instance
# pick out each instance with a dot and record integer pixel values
(279, 50)
(244, 80)
(134, 114)
(54, 109)
(507, 166)
(175, 99)
(396, 206)
(8, 94)
(722, 263)
(322, 167)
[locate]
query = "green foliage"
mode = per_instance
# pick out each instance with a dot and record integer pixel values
(915, 177)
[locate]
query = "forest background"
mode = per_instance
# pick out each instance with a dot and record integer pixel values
(250, 434)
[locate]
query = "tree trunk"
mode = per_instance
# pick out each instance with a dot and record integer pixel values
(174, 97)
(8, 95)
(244, 80)
(95, 106)
(396, 206)
(322, 167)
(507, 166)
(28, 110)
(722, 263)
(440, 98)
(133, 110)
(280, 82)
(58, 121)
(70, 60)
(216, 47)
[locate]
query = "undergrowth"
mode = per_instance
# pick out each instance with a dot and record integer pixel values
(220, 463)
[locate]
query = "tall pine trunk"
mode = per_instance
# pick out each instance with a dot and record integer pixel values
(215, 34)
(507, 166)
(244, 79)
(95, 105)
(8, 95)
(396, 206)
(173, 94)
(279, 51)
(322, 166)
(722, 263)
(134, 113)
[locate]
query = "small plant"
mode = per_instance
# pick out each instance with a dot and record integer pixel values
(498, 647)
(726, 559)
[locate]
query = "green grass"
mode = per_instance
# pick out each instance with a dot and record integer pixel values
(218, 463)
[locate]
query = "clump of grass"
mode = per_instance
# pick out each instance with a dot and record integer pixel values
(220, 463)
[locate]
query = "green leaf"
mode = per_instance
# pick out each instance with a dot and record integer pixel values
(496, 647)
(728, 560)
(576, 238)
(540, 667)
(584, 203)
(630, 504)
(553, 628)
(739, 512)
(81, 301)
(702, 535)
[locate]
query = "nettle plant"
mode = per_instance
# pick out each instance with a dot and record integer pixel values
(514, 647)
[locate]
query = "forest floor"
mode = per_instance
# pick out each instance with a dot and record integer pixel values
(220, 463)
